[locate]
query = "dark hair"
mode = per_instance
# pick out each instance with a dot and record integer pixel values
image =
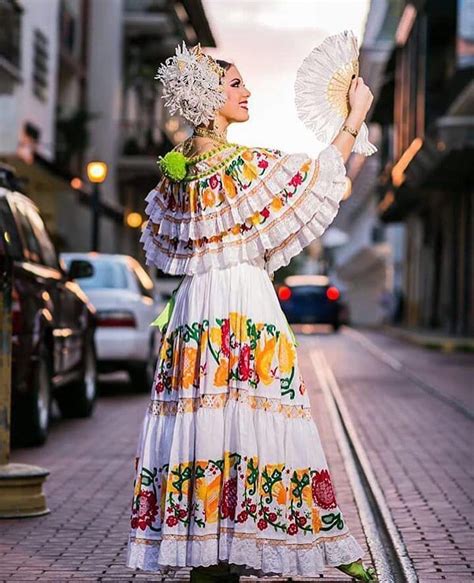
(224, 64)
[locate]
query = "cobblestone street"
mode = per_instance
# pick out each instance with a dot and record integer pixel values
(410, 408)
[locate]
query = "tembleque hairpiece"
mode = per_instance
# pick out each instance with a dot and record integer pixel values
(191, 84)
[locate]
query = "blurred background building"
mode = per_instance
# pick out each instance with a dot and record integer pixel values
(410, 216)
(77, 84)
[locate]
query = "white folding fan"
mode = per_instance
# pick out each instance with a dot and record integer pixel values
(322, 89)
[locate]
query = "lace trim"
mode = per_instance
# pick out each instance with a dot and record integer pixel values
(259, 540)
(185, 226)
(248, 555)
(304, 220)
(218, 401)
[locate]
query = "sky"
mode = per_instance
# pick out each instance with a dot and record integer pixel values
(268, 40)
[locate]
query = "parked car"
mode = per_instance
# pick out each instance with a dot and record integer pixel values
(53, 322)
(311, 299)
(127, 302)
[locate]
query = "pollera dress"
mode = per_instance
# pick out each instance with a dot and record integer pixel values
(229, 464)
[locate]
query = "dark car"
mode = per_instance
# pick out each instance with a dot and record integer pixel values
(311, 299)
(53, 322)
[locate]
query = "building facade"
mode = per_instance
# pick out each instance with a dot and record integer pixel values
(426, 111)
(410, 216)
(76, 85)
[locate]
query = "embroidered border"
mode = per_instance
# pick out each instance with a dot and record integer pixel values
(243, 535)
(242, 240)
(219, 400)
(227, 209)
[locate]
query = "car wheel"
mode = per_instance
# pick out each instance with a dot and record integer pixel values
(142, 375)
(34, 412)
(78, 399)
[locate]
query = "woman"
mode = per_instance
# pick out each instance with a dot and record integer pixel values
(231, 477)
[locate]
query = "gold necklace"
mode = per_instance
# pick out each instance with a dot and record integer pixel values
(214, 134)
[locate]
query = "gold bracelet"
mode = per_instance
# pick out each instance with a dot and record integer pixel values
(352, 131)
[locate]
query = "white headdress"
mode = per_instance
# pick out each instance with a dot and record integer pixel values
(191, 84)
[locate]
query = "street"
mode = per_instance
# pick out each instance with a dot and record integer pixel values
(411, 409)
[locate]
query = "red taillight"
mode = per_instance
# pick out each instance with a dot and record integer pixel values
(332, 293)
(284, 293)
(17, 319)
(116, 319)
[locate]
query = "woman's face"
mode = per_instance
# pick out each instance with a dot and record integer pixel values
(236, 107)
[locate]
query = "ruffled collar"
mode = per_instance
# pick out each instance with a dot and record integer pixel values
(211, 161)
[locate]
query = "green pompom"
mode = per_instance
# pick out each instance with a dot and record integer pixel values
(174, 165)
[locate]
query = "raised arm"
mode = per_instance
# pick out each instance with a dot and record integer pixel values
(360, 100)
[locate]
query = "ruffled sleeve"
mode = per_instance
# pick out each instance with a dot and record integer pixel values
(256, 203)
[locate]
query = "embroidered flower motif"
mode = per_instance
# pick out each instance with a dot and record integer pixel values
(229, 186)
(208, 197)
(229, 499)
(244, 362)
(262, 164)
(292, 528)
(189, 367)
(263, 361)
(262, 524)
(323, 492)
(296, 180)
(225, 343)
(213, 181)
(286, 354)
(316, 520)
(172, 520)
(276, 204)
(249, 171)
(222, 373)
(146, 511)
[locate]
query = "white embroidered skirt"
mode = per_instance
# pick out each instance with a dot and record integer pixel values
(230, 465)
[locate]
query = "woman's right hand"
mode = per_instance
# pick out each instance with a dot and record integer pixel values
(360, 96)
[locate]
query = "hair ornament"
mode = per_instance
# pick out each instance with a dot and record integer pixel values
(191, 84)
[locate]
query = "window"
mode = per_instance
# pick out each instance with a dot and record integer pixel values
(31, 244)
(107, 275)
(10, 239)
(47, 249)
(40, 65)
(10, 17)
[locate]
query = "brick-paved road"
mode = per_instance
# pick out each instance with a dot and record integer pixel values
(420, 447)
(89, 493)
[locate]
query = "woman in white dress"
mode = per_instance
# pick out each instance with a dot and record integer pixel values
(231, 476)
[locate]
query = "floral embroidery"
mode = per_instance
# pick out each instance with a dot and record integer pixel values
(234, 488)
(278, 202)
(234, 348)
(322, 490)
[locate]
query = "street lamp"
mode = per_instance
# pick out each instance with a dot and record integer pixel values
(96, 172)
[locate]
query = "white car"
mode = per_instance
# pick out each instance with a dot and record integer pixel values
(126, 301)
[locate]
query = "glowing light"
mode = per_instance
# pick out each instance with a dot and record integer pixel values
(398, 171)
(76, 183)
(97, 171)
(134, 220)
(332, 293)
(284, 293)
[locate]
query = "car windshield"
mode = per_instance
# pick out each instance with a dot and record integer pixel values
(107, 275)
